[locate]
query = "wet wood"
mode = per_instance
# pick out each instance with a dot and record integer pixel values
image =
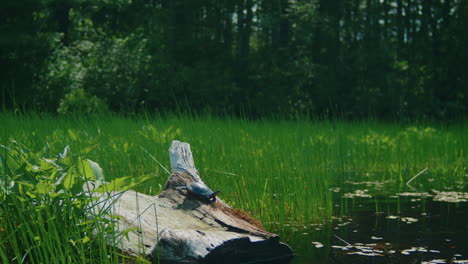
(178, 226)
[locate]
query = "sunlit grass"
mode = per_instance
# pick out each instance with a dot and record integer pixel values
(279, 171)
(46, 216)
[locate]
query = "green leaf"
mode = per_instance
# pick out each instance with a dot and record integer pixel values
(86, 170)
(9, 161)
(65, 161)
(44, 188)
(73, 135)
(97, 171)
(126, 231)
(86, 150)
(64, 152)
(47, 165)
(86, 239)
(69, 179)
(122, 184)
(34, 161)
(115, 185)
(23, 187)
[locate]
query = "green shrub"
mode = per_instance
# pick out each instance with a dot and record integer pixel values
(113, 69)
(77, 101)
(46, 216)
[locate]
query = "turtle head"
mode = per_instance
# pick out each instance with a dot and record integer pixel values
(212, 197)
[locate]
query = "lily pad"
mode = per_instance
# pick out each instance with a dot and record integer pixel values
(409, 220)
(317, 244)
(358, 193)
(415, 194)
(451, 197)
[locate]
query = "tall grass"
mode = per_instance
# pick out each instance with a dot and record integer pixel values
(46, 215)
(280, 171)
(52, 234)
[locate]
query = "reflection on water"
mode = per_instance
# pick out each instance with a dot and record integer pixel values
(372, 228)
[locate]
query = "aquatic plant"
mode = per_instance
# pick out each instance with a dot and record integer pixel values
(45, 210)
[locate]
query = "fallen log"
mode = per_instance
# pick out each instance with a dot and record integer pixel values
(187, 223)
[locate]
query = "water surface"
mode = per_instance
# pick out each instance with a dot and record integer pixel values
(373, 226)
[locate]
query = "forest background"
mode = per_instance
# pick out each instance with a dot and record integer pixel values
(388, 59)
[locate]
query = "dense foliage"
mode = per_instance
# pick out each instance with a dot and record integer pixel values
(46, 214)
(390, 59)
(44, 211)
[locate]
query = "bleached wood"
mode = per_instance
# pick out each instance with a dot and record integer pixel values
(176, 226)
(181, 159)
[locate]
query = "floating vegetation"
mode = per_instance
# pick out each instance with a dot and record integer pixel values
(369, 250)
(358, 193)
(376, 184)
(450, 197)
(392, 217)
(445, 261)
(384, 249)
(344, 224)
(409, 220)
(416, 194)
(340, 247)
(376, 238)
(413, 250)
(435, 261)
(317, 244)
(367, 254)
(440, 196)
(420, 249)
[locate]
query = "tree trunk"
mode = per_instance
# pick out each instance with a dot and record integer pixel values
(182, 227)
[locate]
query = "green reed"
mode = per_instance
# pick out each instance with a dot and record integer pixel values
(279, 171)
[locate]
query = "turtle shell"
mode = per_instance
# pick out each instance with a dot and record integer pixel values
(200, 189)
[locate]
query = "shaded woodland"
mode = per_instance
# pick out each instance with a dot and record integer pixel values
(350, 58)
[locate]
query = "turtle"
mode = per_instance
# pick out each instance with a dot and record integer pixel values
(200, 189)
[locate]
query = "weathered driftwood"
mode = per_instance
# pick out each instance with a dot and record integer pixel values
(181, 227)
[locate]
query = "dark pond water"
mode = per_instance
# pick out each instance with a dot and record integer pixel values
(385, 229)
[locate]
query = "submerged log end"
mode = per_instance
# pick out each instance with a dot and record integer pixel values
(197, 246)
(244, 250)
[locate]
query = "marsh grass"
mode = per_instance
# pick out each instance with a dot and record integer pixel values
(47, 216)
(279, 171)
(52, 235)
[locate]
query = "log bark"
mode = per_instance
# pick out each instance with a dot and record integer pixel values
(177, 226)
